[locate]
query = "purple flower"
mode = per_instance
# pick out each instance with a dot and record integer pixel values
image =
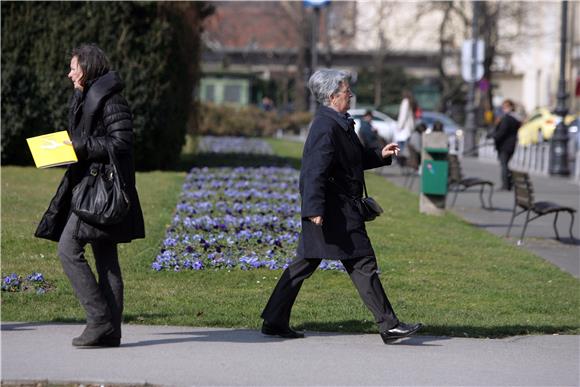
(234, 217)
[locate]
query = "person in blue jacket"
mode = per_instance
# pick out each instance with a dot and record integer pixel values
(331, 178)
(367, 133)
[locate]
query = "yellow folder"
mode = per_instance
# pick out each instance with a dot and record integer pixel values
(50, 150)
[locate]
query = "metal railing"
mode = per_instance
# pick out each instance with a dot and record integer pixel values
(534, 158)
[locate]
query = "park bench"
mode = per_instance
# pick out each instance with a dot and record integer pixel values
(524, 199)
(458, 183)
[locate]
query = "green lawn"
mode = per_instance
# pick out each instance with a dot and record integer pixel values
(456, 279)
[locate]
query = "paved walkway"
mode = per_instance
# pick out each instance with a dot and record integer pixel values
(540, 237)
(181, 356)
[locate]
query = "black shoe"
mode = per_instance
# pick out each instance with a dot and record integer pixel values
(110, 341)
(287, 333)
(399, 331)
(96, 335)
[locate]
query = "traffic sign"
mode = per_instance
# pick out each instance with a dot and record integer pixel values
(467, 60)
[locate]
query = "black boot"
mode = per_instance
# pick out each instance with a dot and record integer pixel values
(95, 335)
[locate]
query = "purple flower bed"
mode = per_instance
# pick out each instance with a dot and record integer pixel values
(33, 282)
(245, 218)
(230, 144)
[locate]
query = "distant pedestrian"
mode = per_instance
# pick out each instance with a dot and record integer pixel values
(505, 137)
(367, 133)
(99, 117)
(406, 119)
(415, 146)
(438, 127)
(267, 104)
(331, 180)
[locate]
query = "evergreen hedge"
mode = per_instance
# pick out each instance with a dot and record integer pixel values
(247, 121)
(154, 46)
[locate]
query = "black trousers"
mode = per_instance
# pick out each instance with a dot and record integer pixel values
(102, 300)
(362, 272)
(506, 174)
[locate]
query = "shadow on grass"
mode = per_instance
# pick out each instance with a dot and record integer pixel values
(144, 318)
(235, 160)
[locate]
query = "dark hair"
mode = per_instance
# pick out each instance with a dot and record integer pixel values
(421, 128)
(509, 102)
(412, 102)
(438, 126)
(92, 61)
(368, 113)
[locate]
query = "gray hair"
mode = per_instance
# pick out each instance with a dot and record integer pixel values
(326, 82)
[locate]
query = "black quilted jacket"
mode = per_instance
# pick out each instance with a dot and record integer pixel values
(96, 114)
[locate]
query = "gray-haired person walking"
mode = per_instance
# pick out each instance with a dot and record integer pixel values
(332, 174)
(100, 121)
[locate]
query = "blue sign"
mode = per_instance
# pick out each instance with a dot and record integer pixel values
(316, 3)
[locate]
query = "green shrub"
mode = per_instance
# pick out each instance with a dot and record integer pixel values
(154, 46)
(248, 121)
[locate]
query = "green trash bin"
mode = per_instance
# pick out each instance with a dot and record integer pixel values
(434, 172)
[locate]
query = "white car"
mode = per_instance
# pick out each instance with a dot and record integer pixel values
(385, 125)
(453, 130)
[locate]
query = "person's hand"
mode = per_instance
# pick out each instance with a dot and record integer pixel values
(317, 220)
(390, 149)
(67, 142)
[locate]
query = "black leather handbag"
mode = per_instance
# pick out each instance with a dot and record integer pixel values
(100, 197)
(366, 206)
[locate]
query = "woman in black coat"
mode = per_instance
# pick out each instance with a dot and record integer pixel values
(98, 115)
(331, 178)
(506, 139)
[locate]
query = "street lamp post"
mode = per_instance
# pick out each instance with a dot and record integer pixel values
(559, 141)
(470, 119)
(314, 51)
(315, 22)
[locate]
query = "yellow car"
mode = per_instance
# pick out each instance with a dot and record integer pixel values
(540, 125)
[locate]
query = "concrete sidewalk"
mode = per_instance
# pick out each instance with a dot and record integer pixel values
(182, 356)
(540, 238)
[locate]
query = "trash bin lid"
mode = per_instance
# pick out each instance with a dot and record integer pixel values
(436, 150)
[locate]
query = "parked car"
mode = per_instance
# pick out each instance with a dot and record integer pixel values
(453, 130)
(540, 126)
(384, 124)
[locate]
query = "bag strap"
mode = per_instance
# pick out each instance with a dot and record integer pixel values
(113, 160)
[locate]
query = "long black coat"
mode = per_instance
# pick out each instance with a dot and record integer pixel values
(97, 113)
(332, 149)
(506, 134)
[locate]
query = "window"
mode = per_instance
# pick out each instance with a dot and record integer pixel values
(210, 93)
(232, 93)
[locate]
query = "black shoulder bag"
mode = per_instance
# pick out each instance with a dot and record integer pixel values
(366, 206)
(100, 197)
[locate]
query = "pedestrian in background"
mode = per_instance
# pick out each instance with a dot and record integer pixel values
(367, 133)
(331, 180)
(415, 145)
(99, 117)
(505, 138)
(406, 119)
